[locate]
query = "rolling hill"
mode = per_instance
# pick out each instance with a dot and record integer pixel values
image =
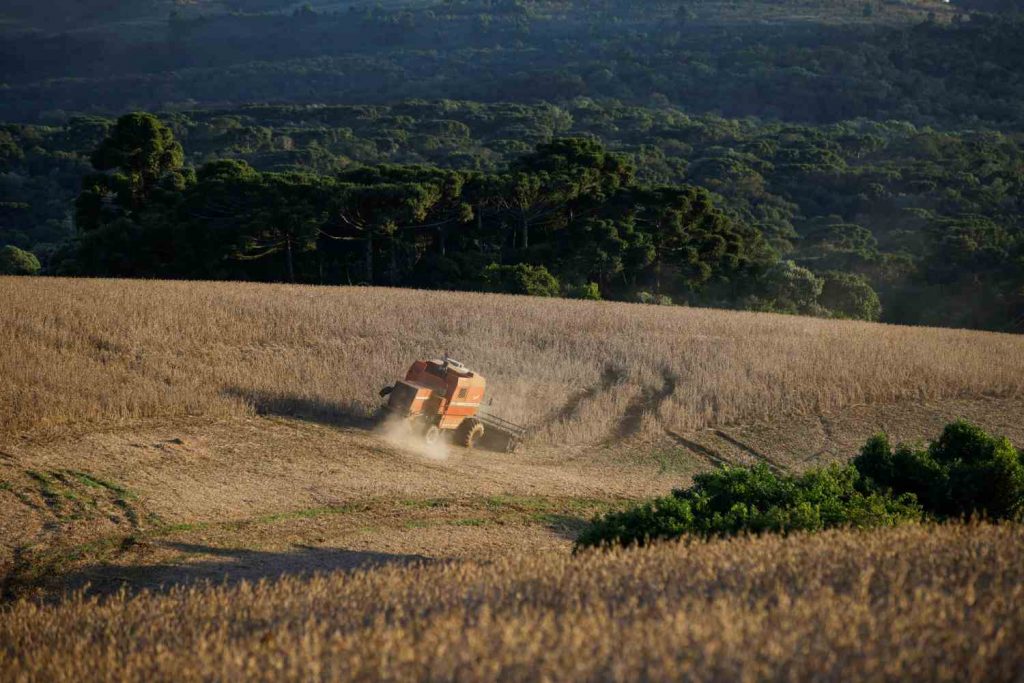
(131, 408)
(157, 434)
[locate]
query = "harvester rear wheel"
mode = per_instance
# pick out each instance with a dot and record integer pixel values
(470, 432)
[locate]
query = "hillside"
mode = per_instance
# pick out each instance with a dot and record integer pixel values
(577, 373)
(102, 57)
(148, 427)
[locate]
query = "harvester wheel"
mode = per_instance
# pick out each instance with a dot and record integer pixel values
(432, 435)
(470, 432)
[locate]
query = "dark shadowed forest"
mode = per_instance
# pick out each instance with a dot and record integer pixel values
(845, 159)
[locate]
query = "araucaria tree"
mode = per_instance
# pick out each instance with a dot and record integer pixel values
(566, 218)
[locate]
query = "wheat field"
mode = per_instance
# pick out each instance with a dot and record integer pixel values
(132, 451)
(937, 604)
(108, 351)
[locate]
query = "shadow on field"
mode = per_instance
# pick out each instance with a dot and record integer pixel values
(228, 566)
(565, 526)
(648, 401)
(304, 408)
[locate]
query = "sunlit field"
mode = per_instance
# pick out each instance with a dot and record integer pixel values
(575, 372)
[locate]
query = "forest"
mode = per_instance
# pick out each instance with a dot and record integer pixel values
(849, 159)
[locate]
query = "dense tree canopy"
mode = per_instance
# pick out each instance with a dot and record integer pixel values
(806, 60)
(920, 216)
(568, 215)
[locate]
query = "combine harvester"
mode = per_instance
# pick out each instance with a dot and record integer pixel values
(439, 397)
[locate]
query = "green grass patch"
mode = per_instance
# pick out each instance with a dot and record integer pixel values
(528, 503)
(308, 513)
(674, 461)
(47, 488)
(471, 522)
(417, 524)
(93, 481)
(182, 528)
(426, 503)
(34, 568)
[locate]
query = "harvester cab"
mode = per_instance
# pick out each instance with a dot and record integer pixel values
(439, 397)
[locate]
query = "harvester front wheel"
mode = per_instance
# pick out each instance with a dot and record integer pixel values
(432, 435)
(470, 433)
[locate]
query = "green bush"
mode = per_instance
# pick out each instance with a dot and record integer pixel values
(589, 292)
(848, 295)
(736, 500)
(965, 472)
(521, 278)
(789, 288)
(14, 261)
(655, 299)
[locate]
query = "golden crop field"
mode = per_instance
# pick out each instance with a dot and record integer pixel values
(922, 603)
(103, 352)
(158, 435)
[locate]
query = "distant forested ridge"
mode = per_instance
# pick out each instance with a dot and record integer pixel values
(569, 216)
(860, 159)
(812, 62)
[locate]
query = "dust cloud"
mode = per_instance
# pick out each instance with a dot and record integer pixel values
(401, 434)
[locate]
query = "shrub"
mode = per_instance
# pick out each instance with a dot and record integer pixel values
(14, 261)
(789, 288)
(589, 291)
(521, 278)
(735, 500)
(848, 295)
(965, 472)
(657, 299)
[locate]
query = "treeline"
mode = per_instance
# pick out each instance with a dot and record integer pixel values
(569, 218)
(932, 220)
(709, 57)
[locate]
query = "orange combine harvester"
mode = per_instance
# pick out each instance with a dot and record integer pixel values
(439, 397)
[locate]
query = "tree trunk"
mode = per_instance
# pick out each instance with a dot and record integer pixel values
(369, 256)
(393, 265)
(288, 257)
(525, 231)
(480, 227)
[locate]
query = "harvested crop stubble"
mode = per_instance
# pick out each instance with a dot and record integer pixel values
(578, 372)
(913, 603)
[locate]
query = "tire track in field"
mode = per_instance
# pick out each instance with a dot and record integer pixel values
(709, 454)
(774, 466)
